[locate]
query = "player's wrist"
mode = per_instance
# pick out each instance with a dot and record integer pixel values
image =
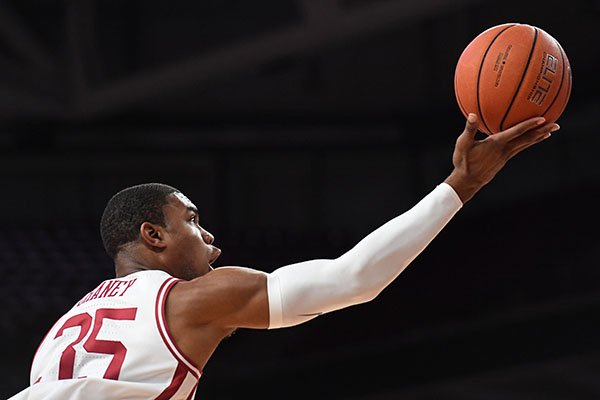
(464, 185)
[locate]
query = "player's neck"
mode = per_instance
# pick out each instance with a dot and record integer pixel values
(128, 262)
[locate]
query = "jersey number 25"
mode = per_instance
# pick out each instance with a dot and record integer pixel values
(93, 345)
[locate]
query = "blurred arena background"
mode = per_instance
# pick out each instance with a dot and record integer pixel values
(297, 127)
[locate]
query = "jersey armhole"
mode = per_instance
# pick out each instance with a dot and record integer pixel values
(163, 328)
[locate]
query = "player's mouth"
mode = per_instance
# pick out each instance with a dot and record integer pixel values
(215, 255)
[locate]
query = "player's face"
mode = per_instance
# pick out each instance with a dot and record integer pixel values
(189, 251)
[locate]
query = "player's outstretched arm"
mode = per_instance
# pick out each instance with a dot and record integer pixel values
(299, 292)
(239, 297)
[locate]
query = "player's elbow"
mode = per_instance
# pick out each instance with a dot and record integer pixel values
(366, 296)
(368, 278)
(363, 287)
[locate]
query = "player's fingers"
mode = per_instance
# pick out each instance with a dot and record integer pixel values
(532, 137)
(467, 137)
(519, 129)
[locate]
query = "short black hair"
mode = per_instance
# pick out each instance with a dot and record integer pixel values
(130, 208)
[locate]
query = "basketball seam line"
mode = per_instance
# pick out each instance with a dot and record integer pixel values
(522, 78)
(479, 75)
(460, 105)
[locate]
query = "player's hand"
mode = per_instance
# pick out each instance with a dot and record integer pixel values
(476, 162)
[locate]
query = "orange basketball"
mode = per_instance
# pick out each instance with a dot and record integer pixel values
(512, 72)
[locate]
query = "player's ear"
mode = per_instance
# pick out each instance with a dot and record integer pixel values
(153, 235)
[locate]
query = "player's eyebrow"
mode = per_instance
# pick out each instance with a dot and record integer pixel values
(192, 209)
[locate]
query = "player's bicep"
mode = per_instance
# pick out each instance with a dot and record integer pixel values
(228, 297)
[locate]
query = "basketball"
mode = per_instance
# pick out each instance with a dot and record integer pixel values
(510, 73)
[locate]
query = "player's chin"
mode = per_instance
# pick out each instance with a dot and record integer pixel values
(210, 263)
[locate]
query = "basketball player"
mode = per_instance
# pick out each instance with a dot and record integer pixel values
(147, 333)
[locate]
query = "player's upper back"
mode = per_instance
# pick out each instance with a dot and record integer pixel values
(114, 343)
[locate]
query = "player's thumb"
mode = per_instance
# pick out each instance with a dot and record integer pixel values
(468, 135)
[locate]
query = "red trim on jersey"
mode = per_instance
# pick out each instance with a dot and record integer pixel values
(178, 378)
(168, 331)
(164, 329)
(40, 345)
(193, 392)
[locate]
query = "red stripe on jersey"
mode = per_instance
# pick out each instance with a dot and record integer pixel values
(40, 345)
(161, 322)
(193, 392)
(191, 395)
(178, 378)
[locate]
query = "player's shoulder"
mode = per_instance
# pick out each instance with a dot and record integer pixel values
(227, 274)
(223, 298)
(223, 279)
(221, 284)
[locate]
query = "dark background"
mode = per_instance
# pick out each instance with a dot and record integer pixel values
(297, 127)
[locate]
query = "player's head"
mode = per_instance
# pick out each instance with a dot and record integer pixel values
(161, 222)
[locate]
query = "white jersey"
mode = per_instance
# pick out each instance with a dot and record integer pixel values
(114, 344)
